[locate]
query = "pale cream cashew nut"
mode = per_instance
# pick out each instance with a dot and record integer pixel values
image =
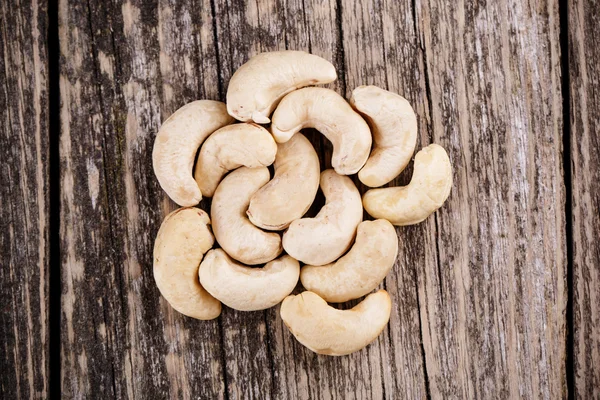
(231, 147)
(258, 85)
(428, 189)
(293, 188)
(329, 113)
(324, 238)
(394, 126)
(233, 230)
(326, 330)
(248, 289)
(176, 145)
(182, 240)
(359, 271)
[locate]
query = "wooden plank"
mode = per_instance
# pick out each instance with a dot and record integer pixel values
(24, 194)
(125, 67)
(252, 343)
(483, 282)
(381, 48)
(493, 289)
(584, 75)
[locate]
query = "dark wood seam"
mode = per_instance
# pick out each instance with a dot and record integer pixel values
(54, 264)
(566, 109)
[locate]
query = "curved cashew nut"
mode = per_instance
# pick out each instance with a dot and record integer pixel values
(258, 85)
(292, 190)
(394, 127)
(231, 147)
(428, 189)
(328, 112)
(234, 232)
(248, 289)
(326, 330)
(360, 270)
(324, 238)
(176, 144)
(182, 240)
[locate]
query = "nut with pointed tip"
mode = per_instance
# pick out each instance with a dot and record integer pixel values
(428, 189)
(326, 330)
(329, 113)
(293, 188)
(394, 127)
(176, 145)
(182, 240)
(258, 85)
(231, 147)
(233, 230)
(324, 238)
(248, 289)
(360, 270)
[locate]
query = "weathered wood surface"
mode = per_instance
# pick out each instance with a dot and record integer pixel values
(479, 290)
(493, 296)
(584, 73)
(24, 191)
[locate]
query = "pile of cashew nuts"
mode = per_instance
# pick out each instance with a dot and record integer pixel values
(255, 217)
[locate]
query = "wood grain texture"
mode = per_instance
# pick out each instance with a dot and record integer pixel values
(125, 68)
(492, 292)
(24, 192)
(584, 71)
(479, 290)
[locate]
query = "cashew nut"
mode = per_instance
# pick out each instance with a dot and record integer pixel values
(394, 127)
(229, 148)
(360, 270)
(324, 238)
(248, 289)
(292, 190)
(326, 330)
(182, 240)
(428, 189)
(258, 85)
(234, 232)
(176, 144)
(328, 112)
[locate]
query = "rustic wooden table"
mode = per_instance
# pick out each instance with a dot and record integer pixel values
(496, 296)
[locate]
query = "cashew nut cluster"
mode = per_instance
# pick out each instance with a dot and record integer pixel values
(373, 135)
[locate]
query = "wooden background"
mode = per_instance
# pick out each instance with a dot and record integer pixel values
(496, 296)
